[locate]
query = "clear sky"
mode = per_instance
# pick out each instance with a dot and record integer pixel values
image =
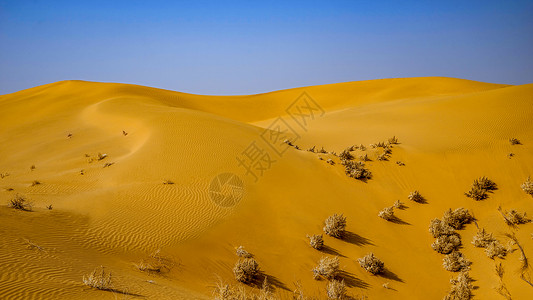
(244, 47)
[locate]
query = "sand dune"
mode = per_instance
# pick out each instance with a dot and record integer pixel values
(116, 210)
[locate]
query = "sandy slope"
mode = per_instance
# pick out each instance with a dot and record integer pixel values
(451, 132)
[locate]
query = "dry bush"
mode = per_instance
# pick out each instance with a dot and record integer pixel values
(20, 202)
(98, 279)
(517, 218)
(101, 156)
(241, 252)
(336, 290)
(514, 141)
(32, 167)
(438, 228)
(400, 163)
(322, 150)
(482, 238)
(446, 244)
(457, 218)
(245, 270)
(168, 182)
(330, 161)
(393, 140)
(361, 147)
(364, 157)
(386, 285)
(335, 225)
(109, 164)
(328, 267)
(382, 157)
(312, 149)
(381, 145)
(156, 263)
(35, 182)
(3, 175)
(49, 207)
(461, 288)
(31, 245)
(346, 155)
(456, 262)
(356, 170)
(387, 213)
(225, 291)
(416, 196)
(371, 264)
(398, 204)
(480, 187)
(316, 241)
(527, 186)
(495, 249)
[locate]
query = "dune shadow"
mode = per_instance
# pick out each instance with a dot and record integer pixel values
(397, 220)
(272, 281)
(352, 281)
(354, 238)
(390, 275)
(331, 251)
(403, 207)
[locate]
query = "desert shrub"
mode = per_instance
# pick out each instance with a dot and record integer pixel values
(336, 290)
(393, 140)
(477, 193)
(335, 225)
(322, 150)
(168, 182)
(20, 202)
(456, 262)
(371, 264)
(382, 157)
(108, 164)
(514, 141)
(416, 196)
(361, 147)
(495, 249)
(346, 155)
(387, 213)
(461, 288)
(156, 263)
(330, 161)
(241, 252)
(316, 241)
(364, 157)
(225, 291)
(439, 228)
(328, 267)
(482, 238)
(312, 149)
(527, 186)
(400, 163)
(446, 244)
(381, 145)
(98, 279)
(398, 204)
(32, 167)
(356, 170)
(35, 182)
(457, 218)
(517, 218)
(101, 156)
(246, 269)
(480, 187)
(49, 207)
(3, 175)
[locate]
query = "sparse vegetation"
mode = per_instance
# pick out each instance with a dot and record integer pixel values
(457, 218)
(101, 156)
(241, 252)
(168, 182)
(382, 157)
(517, 218)
(21, 203)
(371, 264)
(31, 245)
(35, 182)
(398, 204)
(400, 163)
(495, 249)
(32, 167)
(482, 238)
(480, 188)
(49, 207)
(416, 196)
(393, 140)
(246, 269)
(514, 141)
(346, 155)
(456, 262)
(330, 161)
(446, 244)
(98, 279)
(356, 170)
(439, 228)
(328, 267)
(461, 288)
(109, 164)
(387, 213)
(3, 175)
(156, 263)
(335, 225)
(527, 186)
(316, 241)
(336, 289)
(364, 157)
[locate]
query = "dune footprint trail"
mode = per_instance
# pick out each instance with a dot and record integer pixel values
(129, 169)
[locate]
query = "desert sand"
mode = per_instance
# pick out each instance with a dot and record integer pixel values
(150, 187)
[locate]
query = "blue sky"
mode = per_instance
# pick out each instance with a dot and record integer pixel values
(244, 47)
